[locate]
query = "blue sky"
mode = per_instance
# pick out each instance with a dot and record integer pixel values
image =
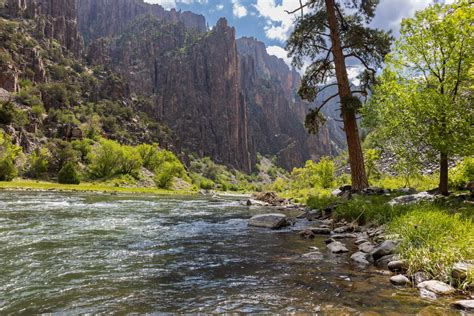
(267, 20)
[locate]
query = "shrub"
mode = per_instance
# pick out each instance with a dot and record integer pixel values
(39, 162)
(8, 170)
(61, 152)
(9, 114)
(462, 174)
(166, 172)
(105, 159)
(130, 161)
(8, 154)
(150, 155)
(372, 156)
(432, 240)
(325, 172)
(68, 174)
(279, 185)
(83, 147)
(206, 184)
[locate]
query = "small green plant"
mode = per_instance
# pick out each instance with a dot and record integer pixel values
(68, 174)
(8, 153)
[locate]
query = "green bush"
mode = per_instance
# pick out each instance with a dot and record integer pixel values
(433, 240)
(206, 184)
(8, 170)
(68, 174)
(61, 152)
(38, 162)
(105, 159)
(130, 161)
(150, 155)
(8, 153)
(166, 172)
(462, 174)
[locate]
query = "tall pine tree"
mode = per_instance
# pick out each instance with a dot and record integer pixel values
(333, 34)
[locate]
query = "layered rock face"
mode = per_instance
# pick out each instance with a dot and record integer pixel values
(276, 113)
(57, 19)
(194, 79)
(105, 18)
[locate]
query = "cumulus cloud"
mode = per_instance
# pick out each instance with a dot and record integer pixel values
(279, 52)
(279, 22)
(238, 9)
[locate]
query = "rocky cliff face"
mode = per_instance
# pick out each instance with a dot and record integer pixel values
(194, 78)
(57, 19)
(105, 18)
(276, 113)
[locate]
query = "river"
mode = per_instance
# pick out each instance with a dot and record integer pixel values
(92, 253)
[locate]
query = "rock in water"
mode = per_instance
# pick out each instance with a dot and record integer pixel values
(366, 247)
(436, 287)
(360, 257)
(467, 305)
(384, 249)
(337, 247)
(398, 265)
(399, 280)
(273, 221)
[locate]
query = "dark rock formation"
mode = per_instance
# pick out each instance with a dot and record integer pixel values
(57, 19)
(106, 18)
(276, 113)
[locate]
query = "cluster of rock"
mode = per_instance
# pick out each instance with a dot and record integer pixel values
(373, 245)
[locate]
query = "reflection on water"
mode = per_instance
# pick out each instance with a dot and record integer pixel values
(89, 253)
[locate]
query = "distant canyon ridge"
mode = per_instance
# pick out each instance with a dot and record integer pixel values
(221, 97)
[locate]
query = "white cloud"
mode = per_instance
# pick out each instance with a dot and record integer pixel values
(279, 52)
(238, 9)
(219, 7)
(279, 22)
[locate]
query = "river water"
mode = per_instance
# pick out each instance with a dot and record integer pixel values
(91, 253)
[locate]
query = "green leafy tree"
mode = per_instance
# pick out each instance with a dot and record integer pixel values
(149, 155)
(68, 174)
(333, 34)
(424, 105)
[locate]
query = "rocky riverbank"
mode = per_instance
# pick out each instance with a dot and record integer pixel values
(373, 244)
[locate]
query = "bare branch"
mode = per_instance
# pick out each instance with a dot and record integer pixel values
(301, 7)
(327, 101)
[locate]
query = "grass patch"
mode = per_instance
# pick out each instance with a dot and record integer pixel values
(93, 187)
(418, 182)
(432, 240)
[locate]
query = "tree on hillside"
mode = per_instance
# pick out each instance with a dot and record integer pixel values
(333, 35)
(424, 102)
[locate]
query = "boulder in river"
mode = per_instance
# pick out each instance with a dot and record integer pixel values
(321, 230)
(436, 287)
(337, 247)
(360, 258)
(397, 265)
(467, 305)
(384, 249)
(399, 280)
(273, 221)
(366, 247)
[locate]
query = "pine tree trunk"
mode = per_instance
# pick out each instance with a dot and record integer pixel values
(443, 174)
(356, 158)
